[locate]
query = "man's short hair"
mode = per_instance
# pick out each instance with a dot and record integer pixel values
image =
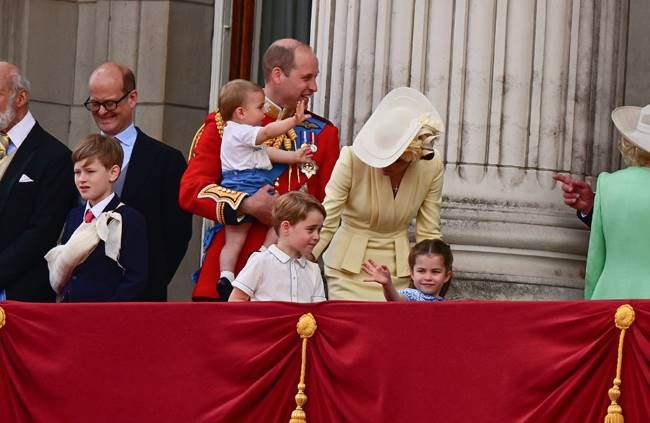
(128, 78)
(106, 149)
(233, 95)
(293, 207)
(279, 56)
(19, 82)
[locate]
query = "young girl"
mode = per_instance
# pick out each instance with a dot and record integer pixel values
(430, 262)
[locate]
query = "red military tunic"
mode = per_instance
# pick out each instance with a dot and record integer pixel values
(200, 193)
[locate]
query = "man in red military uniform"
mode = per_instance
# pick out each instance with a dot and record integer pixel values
(290, 70)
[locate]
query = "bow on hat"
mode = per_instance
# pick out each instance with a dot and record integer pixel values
(404, 125)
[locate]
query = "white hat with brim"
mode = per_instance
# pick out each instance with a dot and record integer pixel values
(634, 124)
(391, 128)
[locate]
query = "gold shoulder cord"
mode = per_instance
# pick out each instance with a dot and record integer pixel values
(285, 141)
(623, 319)
(219, 122)
(195, 141)
(3, 317)
(306, 327)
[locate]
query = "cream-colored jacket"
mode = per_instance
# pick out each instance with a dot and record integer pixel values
(363, 218)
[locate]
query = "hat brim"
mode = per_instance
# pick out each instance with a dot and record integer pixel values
(625, 119)
(413, 106)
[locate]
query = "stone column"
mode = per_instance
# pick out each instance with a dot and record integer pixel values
(167, 43)
(526, 89)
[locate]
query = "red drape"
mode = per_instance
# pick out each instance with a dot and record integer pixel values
(368, 362)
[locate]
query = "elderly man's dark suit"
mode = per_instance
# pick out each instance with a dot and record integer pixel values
(36, 192)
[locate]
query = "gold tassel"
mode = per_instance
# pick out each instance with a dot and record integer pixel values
(306, 327)
(623, 319)
(220, 123)
(3, 317)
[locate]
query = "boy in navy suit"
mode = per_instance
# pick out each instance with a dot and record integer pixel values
(104, 256)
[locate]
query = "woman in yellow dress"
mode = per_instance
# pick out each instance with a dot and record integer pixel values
(390, 175)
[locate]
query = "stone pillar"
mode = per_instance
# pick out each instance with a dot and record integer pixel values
(167, 43)
(525, 88)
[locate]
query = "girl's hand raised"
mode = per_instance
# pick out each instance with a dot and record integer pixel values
(378, 272)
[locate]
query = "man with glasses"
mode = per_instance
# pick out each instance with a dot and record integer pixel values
(36, 191)
(150, 175)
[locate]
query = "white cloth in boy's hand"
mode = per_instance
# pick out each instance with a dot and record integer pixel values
(63, 259)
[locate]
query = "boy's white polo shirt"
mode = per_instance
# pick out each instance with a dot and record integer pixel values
(272, 275)
(238, 148)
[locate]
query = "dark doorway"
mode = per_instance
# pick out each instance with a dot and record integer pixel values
(279, 19)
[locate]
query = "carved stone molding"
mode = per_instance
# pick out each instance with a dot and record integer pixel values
(526, 89)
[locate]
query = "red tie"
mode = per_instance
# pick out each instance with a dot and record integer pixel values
(89, 216)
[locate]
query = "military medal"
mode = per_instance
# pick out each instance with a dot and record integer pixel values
(309, 169)
(312, 145)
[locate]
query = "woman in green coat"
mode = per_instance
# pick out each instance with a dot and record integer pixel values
(618, 262)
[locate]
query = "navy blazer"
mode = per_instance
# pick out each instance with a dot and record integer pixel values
(36, 192)
(99, 278)
(586, 219)
(151, 187)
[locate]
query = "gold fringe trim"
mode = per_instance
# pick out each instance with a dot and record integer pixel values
(306, 327)
(220, 125)
(3, 317)
(219, 120)
(284, 141)
(623, 319)
(195, 141)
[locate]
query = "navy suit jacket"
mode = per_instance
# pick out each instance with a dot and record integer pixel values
(32, 214)
(586, 219)
(151, 187)
(99, 278)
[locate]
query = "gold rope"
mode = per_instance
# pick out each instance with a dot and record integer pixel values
(306, 327)
(195, 140)
(623, 319)
(219, 121)
(220, 125)
(3, 317)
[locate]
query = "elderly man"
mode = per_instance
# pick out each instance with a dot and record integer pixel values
(290, 70)
(36, 192)
(150, 177)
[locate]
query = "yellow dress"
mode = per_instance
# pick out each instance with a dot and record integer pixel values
(365, 221)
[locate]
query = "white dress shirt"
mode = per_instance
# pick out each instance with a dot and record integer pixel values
(273, 275)
(127, 141)
(98, 208)
(19, 132)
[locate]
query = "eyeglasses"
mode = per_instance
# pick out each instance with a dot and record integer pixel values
(109, 105)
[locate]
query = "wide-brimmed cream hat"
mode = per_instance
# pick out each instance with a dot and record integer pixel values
(391, 128)
(634, 124)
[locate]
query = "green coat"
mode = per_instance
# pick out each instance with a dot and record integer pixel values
(618, 262)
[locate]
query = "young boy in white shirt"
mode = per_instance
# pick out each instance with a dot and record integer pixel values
(246, 163)
(283, 272)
